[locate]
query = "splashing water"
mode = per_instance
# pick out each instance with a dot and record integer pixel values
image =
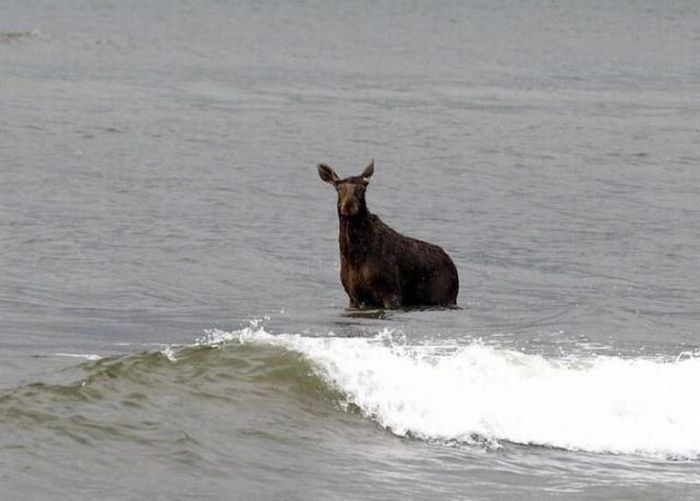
(481, 393)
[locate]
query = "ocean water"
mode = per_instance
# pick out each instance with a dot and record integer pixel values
(172, 325)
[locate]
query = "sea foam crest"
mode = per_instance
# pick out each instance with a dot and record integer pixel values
(456, 393)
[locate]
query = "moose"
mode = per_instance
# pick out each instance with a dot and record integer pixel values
(379, 267)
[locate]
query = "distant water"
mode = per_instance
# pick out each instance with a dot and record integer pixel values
(171, 316)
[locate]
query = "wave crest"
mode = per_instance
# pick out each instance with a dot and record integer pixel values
(475, 392)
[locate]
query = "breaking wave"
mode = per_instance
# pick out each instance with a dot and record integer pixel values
(476, 393)
(464, 393)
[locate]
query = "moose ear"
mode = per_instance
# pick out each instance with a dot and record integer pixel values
(327, 173)
(367, 173)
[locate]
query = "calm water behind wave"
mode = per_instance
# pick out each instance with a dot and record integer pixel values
(157, 179)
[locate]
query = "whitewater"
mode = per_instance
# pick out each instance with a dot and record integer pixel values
(477, 394)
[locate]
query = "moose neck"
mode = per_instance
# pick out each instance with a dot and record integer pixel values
(354, 236)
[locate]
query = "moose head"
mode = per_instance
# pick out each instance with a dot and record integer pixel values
(351, 190)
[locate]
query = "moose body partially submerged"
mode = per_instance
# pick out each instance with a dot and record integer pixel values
(379, 267)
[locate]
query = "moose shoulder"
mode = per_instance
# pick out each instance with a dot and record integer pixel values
(379, 267)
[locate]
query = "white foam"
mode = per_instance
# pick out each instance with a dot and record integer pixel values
(85, 356)
(169, 353)
(454, 393)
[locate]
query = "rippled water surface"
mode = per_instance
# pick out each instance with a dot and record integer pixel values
(172, 323)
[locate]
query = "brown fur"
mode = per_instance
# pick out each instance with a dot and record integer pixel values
(380, 267)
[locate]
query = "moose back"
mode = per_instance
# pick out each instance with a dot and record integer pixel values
(379, 267)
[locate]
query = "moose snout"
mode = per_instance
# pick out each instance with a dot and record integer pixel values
(349, 208)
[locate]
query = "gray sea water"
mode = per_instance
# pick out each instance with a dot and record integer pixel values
(172, 325)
